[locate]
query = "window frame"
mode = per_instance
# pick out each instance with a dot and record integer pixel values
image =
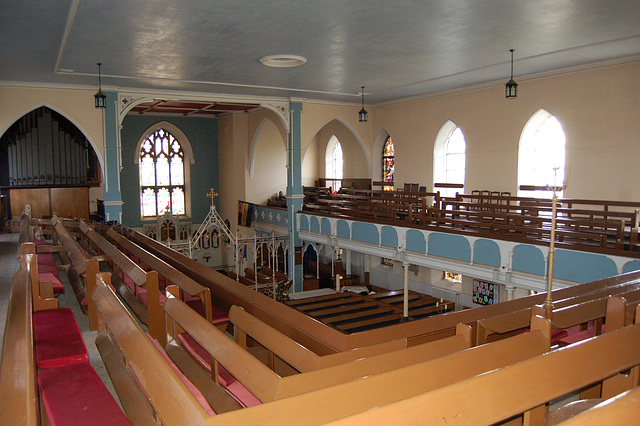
(329, 160)
(384, 158)
(440, 153)
(528, 137)
(188, 160)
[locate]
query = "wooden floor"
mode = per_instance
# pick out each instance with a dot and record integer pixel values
(352, 312)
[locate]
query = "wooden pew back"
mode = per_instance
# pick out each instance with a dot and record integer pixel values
(392, 386)
(18, 391)
(293, 353)
(172, 401)
(185, 283)
(510, 391)
(146, 280)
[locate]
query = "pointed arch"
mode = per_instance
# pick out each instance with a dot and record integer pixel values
(98, 152)
(541, 154)
(449, 155)
(352, 132)
(177, 190)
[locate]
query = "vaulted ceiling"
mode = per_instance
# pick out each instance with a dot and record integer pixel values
(396, 49)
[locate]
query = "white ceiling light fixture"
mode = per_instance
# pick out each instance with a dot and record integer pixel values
(283, 61)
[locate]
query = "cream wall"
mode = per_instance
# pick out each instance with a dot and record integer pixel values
(319, 121)
(75, 105)
(598, 109)
(269, 166)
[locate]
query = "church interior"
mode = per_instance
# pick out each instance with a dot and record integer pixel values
(308, 213)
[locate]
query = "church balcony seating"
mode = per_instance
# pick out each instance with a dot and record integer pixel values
(49, 351)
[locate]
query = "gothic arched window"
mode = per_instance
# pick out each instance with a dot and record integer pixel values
(388, 163)
(162, 174)
(541, 156)
(334, 163)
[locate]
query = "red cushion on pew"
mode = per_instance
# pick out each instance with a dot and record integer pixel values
(39, 242)
(55, 281)
(236, 389)
(75, 395)
(57, 339)
(192, 388)
(139, 291)
(578, 336)
(203, 357)
(218, 315)
(46, 263)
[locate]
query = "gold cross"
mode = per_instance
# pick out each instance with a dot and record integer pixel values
(168, 228)
(212, 194)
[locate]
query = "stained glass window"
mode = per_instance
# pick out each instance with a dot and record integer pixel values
(162, 175)
(388, 163)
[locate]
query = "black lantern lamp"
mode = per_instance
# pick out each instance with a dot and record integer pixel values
(100, 97)
(511, 88)
(362, 115)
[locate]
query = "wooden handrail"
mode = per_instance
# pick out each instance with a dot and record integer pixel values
(185, 283)
(173, 402)
(147, 280)
(510, 391)
(17, 373)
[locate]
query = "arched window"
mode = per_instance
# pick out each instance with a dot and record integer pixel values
(449, 158)
(163, 165)
(541, 155)
(388, 163)
(333, 163)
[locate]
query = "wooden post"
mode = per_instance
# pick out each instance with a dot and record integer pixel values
(405, 265)
(548, 305)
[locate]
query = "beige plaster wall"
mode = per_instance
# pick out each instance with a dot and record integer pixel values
(269, 165)
(75, 105)
(598, 109)
(232, 154)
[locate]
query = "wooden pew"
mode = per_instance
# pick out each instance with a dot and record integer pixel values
(511, 391)
(82, 273)
(41, 291)
(296, 355)
(268, 386)
(69, 387)
(18, 391)
(386, 388)
(196, 292)
(566, 313)
(148, 281)
(281, 318)
(622, 409)
(172, 401)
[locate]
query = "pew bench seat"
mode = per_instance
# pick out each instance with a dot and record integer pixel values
(57, 339)
(140, 292)
(57, 286)
(236, 389)
(74, 394)
(219, 316)
(48, 270)
(576, 335)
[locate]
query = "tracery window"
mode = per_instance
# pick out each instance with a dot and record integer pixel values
(162, 175)
(388, 163)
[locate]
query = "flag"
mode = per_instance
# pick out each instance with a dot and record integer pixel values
(245, 213)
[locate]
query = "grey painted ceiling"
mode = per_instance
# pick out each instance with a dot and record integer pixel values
(397, 49)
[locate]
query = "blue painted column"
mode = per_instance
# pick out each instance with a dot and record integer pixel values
(295, 196)
(112, 194)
